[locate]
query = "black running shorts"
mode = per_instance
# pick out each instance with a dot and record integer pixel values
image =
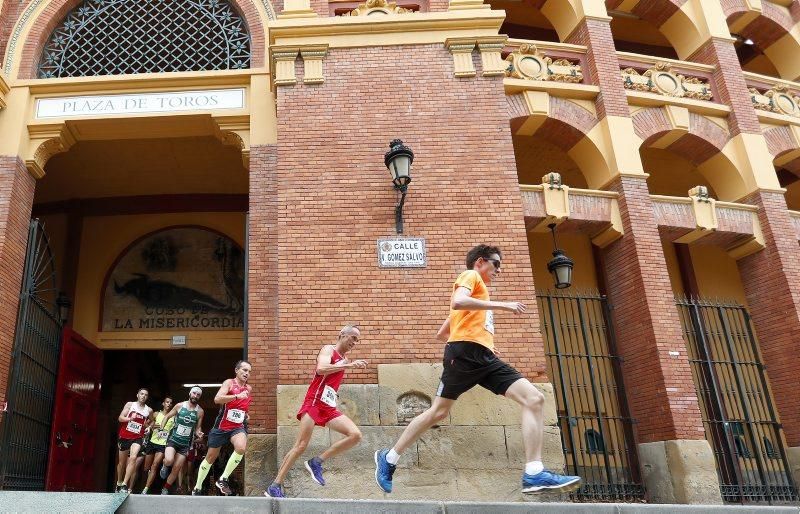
(124, 445)
(217, 437)
(153, 448)
(468, 364)
(183, 449)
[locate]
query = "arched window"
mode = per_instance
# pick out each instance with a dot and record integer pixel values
(116, 37)
(770, 448)
(594, 441)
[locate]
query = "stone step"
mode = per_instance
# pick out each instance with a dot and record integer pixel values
(201, 505)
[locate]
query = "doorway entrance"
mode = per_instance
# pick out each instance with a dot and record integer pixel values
(162, 372)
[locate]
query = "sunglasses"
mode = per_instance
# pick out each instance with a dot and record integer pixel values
(495, 263)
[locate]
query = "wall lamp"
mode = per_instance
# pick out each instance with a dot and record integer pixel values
(560, 266)
(64, 305)
(398, 160)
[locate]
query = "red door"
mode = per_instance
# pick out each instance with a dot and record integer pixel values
(72, 441)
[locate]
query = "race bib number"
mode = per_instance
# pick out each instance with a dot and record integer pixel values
(134, 426)
(235, 416)
(329, 396)
(162, 434)
(183, 431)
(489, 324)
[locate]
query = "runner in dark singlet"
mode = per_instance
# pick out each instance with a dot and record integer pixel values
(319, 408)
(235, 397)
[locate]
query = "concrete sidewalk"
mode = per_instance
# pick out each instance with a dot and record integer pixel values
(202, 505)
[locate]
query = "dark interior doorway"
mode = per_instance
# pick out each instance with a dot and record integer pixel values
(162, 372)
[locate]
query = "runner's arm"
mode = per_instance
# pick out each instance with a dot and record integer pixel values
(198, 432)
(444, 331)
(463, 301)
(123, 416)
(223, 397)
(324, 366)
(169, 415)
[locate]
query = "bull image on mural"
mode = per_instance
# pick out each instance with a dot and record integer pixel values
(181, 278)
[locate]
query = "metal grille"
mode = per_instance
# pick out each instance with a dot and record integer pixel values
(115, 37)
(25, 437)
(596, 431)
(739, 419)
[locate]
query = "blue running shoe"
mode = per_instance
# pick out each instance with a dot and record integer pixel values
(275, 491)
(549, 481)
(383, 471)
(164, 472)
(314, 468)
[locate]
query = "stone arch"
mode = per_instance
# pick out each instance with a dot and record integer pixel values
(565, 15)
(565, 125)
(674, 23)
(695, 138)
(771, 29)
(781, 140)
(41, 17)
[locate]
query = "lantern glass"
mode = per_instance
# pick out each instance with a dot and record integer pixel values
(400, 167)
(561, 269)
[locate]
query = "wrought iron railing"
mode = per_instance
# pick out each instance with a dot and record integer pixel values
(596, 430)
(740, 421)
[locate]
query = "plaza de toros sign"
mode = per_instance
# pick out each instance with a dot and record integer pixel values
(407, 252)
(139, 103)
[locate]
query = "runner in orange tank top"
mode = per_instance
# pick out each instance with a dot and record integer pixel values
(319, 409)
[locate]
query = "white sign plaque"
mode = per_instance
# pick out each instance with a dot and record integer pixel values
(178, 340)
(139, 103)
(405, 252)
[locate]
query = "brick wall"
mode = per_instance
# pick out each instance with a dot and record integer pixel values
(336, 200)
(262, 287)
(602, 66)
(16, 198)
(730, 85)
(661, 393)
(771, 280)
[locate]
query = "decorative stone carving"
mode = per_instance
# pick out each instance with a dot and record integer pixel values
(661, 80)
(410, 405)
(371, 7)
(778, 99)
(43, 152)
(528, 63)
(553, 180)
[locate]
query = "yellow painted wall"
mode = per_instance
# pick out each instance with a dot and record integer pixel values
(671, 174)
(717, 274)
(103, 240)
(577, 246)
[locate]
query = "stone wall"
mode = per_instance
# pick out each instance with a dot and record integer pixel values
(475, 454)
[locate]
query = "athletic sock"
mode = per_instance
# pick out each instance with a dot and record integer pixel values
(392, 457)
(202, 473)
(534, 467)
(233, 461)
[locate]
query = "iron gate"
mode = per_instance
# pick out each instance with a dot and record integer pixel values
(596, 432)
(738, 415)
(31, 387)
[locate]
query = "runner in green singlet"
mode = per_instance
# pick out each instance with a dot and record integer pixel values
(188, 423)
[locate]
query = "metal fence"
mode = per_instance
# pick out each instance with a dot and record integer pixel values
(738, 414)
(596, 430)
(25, 437)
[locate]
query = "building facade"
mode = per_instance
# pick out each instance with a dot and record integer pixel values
(207, 180)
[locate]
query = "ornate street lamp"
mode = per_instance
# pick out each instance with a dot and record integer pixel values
(560, 266)
(64, 305)
(398, 160)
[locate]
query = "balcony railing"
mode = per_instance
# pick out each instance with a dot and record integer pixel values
(772, 95)
(666, 77)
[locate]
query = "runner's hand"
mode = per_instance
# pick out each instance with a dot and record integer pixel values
(360, 364)
(198, 434)
(515, 307)
(242, 395)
